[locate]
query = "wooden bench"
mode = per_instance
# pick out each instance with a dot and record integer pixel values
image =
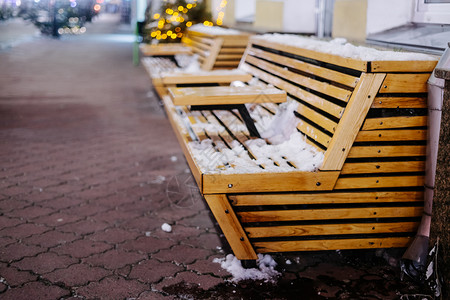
(366, 119)
(216, 49)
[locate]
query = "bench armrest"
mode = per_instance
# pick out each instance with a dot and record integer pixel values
(226, 95)
(217, 76)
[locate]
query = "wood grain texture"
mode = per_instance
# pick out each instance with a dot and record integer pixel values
(219, 95)
(216, 76)
(339, 244)
(268, 182)
(394, 122)
(383, 167)
(314, 70)
(330, 229)
(379, 182)
(391, 135)
(330, 58)
(400, 102)
(386, 151)
(405, 83)
(351, 121)
(329, 214)
(325, 198)
(231, 227)
(404, 66)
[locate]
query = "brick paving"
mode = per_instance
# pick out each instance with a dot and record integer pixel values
(86, 159)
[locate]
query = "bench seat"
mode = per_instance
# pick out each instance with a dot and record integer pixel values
(356, 180)
(215, 48)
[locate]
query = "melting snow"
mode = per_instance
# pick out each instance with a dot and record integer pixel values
(166, 227)
(265, 271)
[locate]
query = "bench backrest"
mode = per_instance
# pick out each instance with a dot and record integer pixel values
(345, 102)
(217, 51)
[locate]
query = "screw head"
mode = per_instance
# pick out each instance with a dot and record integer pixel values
(230, 186)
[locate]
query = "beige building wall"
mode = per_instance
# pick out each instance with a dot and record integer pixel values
(350, 19)
(269, 15)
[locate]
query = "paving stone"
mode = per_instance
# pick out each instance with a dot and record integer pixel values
(3, 287)
(115, 259)
(62, 202)
(51, 239)
(57, 219)
(149, 295)
(23, 230)
(146, 271)
(44, 263)
(204, 282)
(6, 222)
(30, 212)
(18, 251)
(179, 232)
(12, 203)
(82, 248)
(36, 290)
(5, 241)
(15, 277)
(207, 266)
(205, 240)
(202, 220)
(83, 227)
(85, 210)
(143, 224)
(77, 275)
(112, 288)
(114, 235)
(147, 245)
(182, 254)
(115, 216)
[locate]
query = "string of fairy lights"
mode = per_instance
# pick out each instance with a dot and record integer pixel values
(178, 17)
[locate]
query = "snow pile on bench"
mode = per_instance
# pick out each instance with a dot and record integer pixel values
(340, 47)
(214, 30)
(283, 144)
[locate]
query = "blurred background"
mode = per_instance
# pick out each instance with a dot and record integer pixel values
(422, 25)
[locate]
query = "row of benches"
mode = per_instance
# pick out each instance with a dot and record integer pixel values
(354, 177)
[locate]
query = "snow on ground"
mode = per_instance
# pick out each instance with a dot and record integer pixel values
(166, 227)
(265, 271)
(340, 47)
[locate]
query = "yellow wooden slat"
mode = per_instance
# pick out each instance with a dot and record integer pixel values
(330, 229)
(351, 121)
(233, 51)
(329, 214)
(340, 244)
(218, 76)
(329, 58)
(314, 133)
(230, 226)
(331, 75)
(321, 103)
(405, 83)
(183, 140)
(268, 182)
(322, 87)
(316, 117)
(386, 151)
(211, 57)
(391, 135)
(164, 49)
(325, 198)
(394, 122)
(379, 182)
(400, 102)
(404, 66)
(226, 64)
(213, 95)
(383, 167)
(232, 57)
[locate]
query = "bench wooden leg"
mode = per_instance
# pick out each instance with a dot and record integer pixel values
(232, 229)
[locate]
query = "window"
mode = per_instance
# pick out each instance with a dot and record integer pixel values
(432, 11)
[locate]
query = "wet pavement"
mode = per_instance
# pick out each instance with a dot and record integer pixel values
(90, 170)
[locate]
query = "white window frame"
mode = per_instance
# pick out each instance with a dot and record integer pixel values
(438, 13)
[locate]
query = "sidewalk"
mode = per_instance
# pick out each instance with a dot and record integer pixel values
(89, 172)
